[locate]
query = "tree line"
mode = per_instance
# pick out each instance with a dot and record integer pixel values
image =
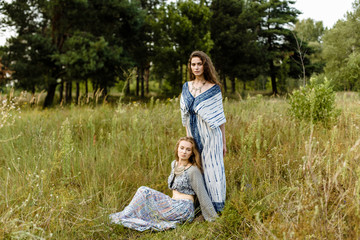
(65, 43)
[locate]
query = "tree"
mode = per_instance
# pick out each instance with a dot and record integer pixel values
(83, 57)
(300, 65)
(342, 51)
(234, 29)
(309, 30)
(118, 24)
(143, 42)
(55, 39)
(276, 34)
(42, 29)
(310, 33)
(180, 28)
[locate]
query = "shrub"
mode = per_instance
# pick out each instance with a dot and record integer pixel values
(314, 103)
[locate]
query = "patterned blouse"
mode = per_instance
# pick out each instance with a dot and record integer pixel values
(191, 182)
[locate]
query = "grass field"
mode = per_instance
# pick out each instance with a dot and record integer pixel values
(63, 170)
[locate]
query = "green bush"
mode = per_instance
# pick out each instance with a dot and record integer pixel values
(314, 103)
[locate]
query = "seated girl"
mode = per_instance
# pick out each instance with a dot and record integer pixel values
(150, 209)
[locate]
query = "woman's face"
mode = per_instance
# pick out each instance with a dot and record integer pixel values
(197, 66)
(185, 150)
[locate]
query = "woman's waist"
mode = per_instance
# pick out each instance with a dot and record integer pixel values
(179, 195)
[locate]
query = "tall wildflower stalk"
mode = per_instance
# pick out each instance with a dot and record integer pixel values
(8, 114)
(66, 148)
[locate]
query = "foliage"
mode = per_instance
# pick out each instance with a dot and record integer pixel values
(341, 47)
(301, 65)
(29, 56)
(314, 103)
(351, 71)
(234, 30)
(181, 28)
(310, 33)
(275, 35)
(85, 57)
(56, 40)
(57, 44)
(309, 30)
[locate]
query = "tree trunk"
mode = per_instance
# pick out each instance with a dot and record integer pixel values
(273, 78)
(127, 89)
(181, 79)
(244, 85)
(95, 87)
(223, 81)
(61, 91)
(77, 92)
(86, 88)
(146, 77)
(137, 82)
(66, 86)
(233, 84)
(142, 82)
(182, 74)
(105, 90)
(68, 92)
(50, 95)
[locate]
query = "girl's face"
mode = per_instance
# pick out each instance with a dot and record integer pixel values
(185, 150)
(197, 66)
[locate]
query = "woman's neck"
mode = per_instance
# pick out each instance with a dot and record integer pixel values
(183, 162)
(199, 78)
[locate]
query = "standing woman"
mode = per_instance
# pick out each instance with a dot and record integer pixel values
(203, 116)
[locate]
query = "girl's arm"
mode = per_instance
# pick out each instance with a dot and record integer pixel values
(198, 185)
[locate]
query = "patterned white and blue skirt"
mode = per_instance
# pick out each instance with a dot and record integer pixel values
(152, 210)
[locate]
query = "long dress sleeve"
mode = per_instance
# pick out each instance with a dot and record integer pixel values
(197, 183)
(184, 111)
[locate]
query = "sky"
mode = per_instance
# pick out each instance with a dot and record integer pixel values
(328, 11)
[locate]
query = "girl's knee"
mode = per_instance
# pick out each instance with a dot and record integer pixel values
(142, 189)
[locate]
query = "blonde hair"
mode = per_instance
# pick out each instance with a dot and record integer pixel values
(195, 156)
(210, 74)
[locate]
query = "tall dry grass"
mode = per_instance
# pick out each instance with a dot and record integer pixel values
(71, 167)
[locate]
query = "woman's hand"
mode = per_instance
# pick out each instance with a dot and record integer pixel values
(224, 149)
(222, 128)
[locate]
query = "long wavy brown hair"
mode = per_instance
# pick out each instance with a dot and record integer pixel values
(210, 74)
(195, 156)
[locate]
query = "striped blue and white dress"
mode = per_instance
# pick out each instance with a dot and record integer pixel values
(203, 115)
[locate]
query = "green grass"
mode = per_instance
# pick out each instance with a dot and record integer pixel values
(64, 170)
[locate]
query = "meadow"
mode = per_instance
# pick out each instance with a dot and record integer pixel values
(64, 170)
